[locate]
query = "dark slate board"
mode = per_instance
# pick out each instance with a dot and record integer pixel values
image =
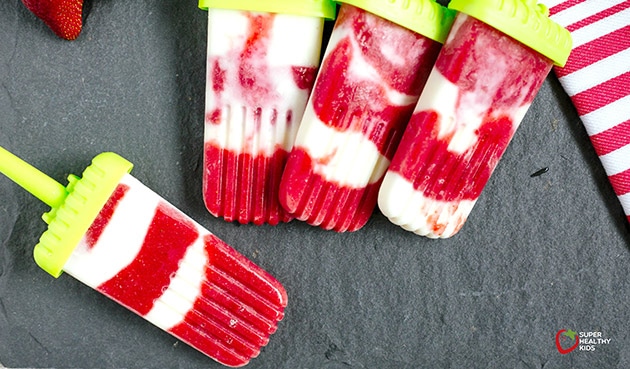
(537, 255)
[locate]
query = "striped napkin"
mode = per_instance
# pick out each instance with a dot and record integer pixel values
(597, 78)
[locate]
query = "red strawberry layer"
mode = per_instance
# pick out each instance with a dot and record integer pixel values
(238, 308)
(237, 305)
(480, 59)
(495, 76)
(444, 175)
(350, 99)
(310, 197)
(242, 187)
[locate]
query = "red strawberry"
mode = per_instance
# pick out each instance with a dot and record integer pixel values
(64, 17)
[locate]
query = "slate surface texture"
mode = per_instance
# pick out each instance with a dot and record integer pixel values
(538, 254)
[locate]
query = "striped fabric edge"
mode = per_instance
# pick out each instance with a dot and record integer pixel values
(597, 79)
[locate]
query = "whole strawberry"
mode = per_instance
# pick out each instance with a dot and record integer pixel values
(64, 17)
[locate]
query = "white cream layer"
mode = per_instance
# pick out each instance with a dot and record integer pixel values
(179, 298)
(410, 209)
(460, 113)
(294, 41)
(348, 157)
(120, 243)
(121, 240)
(240, 132)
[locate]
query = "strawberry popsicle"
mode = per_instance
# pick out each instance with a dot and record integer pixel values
(374, 68)
(262, 60)
(117, 236)
(492, 65)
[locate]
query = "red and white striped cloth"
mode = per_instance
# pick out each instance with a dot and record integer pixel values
(597, 78)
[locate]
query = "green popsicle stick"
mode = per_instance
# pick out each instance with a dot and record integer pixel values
(32, 179)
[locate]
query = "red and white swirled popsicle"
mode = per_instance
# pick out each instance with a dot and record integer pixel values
(262, 61)
(375, 66)
(114, 234)
(492, 65)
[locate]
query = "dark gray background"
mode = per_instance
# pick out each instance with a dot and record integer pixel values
(537, 254)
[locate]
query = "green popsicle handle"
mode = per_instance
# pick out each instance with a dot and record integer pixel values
(32, 179)
(73, 207)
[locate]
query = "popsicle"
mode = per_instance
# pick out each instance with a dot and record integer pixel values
(114, 234)
(494, 61)
(375, 66)
(262, 60)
